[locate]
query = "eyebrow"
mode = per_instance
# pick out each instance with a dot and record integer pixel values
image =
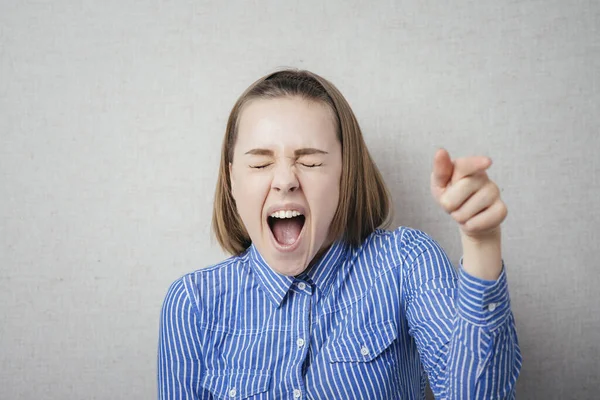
(298, 153)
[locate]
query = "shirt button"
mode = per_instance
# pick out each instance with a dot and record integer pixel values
(300, 342)
(492, 307)
(297, 393)
(232, 392)
(364, 350)
(302, 286)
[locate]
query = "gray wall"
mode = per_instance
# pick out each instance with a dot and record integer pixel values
(111, 119)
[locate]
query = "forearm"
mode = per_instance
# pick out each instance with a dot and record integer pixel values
(482, 257)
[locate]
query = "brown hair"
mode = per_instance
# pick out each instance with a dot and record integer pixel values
(364, 203)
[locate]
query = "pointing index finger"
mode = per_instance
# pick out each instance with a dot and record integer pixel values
(469, 166)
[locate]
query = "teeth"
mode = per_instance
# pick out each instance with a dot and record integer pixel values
(285, 214)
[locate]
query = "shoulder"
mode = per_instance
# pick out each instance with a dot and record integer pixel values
(232, 266)
(398, 245)
(196, 288)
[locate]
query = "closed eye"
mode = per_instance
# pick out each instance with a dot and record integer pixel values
(311, 165)
(260, 166)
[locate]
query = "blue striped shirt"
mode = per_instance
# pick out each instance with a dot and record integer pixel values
(362, 323)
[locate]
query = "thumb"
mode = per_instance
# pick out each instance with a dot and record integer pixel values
(442, 169)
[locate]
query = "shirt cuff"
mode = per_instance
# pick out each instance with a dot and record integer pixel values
(482, 302)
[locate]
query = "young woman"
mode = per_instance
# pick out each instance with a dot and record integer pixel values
(317, 301)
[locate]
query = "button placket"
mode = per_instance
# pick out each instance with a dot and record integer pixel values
(303, 335)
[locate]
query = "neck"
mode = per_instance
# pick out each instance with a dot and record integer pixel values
(318, 256)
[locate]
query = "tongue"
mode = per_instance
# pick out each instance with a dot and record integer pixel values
(286, 231)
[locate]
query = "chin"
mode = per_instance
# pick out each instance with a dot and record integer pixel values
(291, 270)
(289, 264)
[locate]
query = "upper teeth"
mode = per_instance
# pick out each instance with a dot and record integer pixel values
(285, 214)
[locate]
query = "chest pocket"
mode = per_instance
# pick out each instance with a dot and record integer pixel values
(239, 384)
(363, 344)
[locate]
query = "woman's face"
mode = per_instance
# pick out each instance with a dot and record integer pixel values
(285, 179)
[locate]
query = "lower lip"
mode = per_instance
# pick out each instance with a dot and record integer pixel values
(288, 248)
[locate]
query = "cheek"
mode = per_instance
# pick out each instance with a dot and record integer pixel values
(333, 183)
(250, 194)
(323, 194)
(333, 200)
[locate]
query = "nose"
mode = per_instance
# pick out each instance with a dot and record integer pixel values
(284, 179)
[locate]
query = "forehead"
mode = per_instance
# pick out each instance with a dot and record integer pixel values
(286, 122)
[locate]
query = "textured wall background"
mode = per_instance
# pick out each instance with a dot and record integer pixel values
(111, 118)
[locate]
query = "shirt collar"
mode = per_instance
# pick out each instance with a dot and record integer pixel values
(324, 271)
(321, 274)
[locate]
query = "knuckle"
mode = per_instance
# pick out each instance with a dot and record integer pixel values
(445, 203)
(468, 228)
(495, 190)
(503, 210)
(489, 194)
(484, 198)
(460, 218)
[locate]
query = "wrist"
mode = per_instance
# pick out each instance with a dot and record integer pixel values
(482, 238)
(482, 256)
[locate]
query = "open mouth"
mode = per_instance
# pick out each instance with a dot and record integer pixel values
(286, 227)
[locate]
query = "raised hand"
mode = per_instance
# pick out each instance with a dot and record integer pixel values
(464, 190)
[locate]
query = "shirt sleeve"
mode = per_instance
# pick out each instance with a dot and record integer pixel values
(179, 352)
(463, 326)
